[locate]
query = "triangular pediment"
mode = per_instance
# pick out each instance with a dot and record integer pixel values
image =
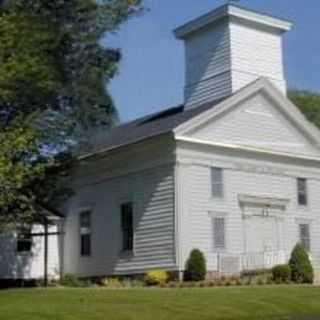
(258, 117)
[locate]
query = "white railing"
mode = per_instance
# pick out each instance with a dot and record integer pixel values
(262, 260)
(315, 259)
(229, 264)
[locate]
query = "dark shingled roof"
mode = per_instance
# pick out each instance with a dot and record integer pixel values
(148, 126)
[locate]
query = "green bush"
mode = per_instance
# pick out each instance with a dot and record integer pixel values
(256, 272)
(300, 265)
(195, 266)
(112, 283)
(281, 273)
(156, 277)
(70, 280)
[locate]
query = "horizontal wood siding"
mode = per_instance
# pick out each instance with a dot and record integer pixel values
(208, 65)
(226, 56)
(260, 177)
(151, 190)
(152, 195)
(255, 52)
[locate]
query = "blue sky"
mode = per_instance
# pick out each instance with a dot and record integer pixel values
(151, 75)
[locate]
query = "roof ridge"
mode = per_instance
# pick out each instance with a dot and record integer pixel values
(147, 116)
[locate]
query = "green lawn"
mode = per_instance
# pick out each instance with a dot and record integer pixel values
(283, 302)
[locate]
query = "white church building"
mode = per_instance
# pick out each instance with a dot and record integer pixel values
(234, 171)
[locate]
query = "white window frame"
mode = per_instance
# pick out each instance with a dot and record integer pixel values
(303, 193)
(21, 233)
(214, 217)
(217, 185)
(85, 232)
(123, 250)
(304, 240)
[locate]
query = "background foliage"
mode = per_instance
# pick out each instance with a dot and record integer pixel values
(53, 77)
(309, 104)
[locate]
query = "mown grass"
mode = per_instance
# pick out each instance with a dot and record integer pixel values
(277, 302)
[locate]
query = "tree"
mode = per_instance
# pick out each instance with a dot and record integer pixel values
(30, 180)
(63, 37)
(53, 73)
(309, 104)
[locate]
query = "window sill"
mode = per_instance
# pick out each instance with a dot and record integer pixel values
(217, 198)
(303, 208)
(24, 253)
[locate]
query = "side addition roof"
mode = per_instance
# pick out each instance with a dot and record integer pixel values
(146, 127)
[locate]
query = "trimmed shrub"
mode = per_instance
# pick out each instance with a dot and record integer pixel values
(281, 273)
(300, 265)
(156, 277)
(195, 267)
(255, 272)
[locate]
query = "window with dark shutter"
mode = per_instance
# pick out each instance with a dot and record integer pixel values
(304, 230)
(219, 232)
(302, 191)
(85, 233)
(24, 240)
(127, 226)
(217, 182)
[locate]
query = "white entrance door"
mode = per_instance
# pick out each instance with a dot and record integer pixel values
(262, 243)
(261, 234)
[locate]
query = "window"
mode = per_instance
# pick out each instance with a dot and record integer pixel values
(219, 233)
(85, 233)
(24, 240)
(217, 182)
(302, 191)
(127, 226)
(304, 230)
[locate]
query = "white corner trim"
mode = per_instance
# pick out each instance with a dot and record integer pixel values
(242, 148)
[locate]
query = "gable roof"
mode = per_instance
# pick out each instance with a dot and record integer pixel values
(181, 120)
(146, 127)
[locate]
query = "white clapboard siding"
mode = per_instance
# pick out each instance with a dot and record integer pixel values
(258, 123)
(257, 177)
(14, 265)
(208, 65)
(225, 56)
(255, 52)
(152, 194)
